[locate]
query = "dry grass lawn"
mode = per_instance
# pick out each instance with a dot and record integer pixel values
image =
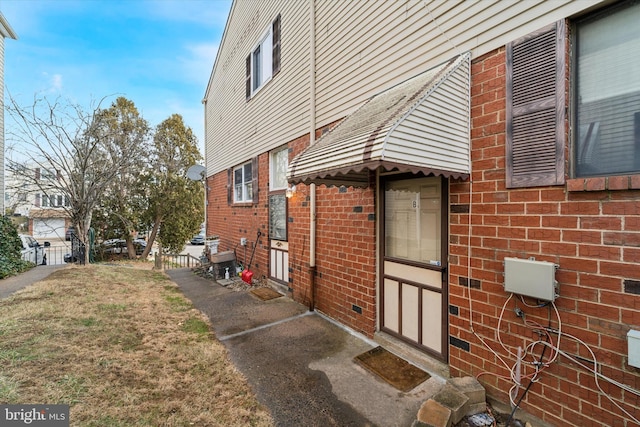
(122, 347)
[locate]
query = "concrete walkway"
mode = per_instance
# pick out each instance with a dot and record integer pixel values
(14, 283)
(299, 363)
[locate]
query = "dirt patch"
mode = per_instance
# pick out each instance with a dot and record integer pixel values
(266, 294)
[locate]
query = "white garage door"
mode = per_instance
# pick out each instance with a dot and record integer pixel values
(48, 228)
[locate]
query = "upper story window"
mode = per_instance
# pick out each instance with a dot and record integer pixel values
(242, 183)
(46, 174)
(55, 201)
(264, 60)
(607, 92)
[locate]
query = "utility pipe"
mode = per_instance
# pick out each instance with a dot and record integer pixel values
(312, 140)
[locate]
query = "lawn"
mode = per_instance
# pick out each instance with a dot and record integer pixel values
(122, 347)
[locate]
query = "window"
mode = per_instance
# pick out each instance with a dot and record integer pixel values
(242, 183)
(607, 92)
(264, 61)
(278, 169)
(413, 220)
(278, 161)
(278, 217)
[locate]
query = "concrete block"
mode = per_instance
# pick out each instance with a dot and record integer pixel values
(451, 398)
(476, 408)
(433, 414)
(470, 387)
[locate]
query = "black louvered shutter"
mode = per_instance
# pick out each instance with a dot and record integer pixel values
(248, 79)
(254, 180)
(276, 46)
(229, 186)
(536, 70)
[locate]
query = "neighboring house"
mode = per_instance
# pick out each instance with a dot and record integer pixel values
(32, 192)
(5, 32)
(418, 169)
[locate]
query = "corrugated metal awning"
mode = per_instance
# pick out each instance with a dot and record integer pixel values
(420, 125)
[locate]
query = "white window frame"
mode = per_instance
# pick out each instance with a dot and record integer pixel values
(263, 68)
(278, 178)
(245, 187)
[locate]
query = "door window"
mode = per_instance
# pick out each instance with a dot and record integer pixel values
(413, 220)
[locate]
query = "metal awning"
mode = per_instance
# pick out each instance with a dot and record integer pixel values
(420, 125)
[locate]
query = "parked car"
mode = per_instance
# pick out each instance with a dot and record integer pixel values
(32, 251)
(198, 239)
(119, 246)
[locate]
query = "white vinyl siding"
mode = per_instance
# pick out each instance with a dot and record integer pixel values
(237, 129)
(356, 59)
(436, 133)
(362, 48)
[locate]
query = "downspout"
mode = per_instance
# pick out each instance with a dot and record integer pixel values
(312, 140)
(204, 178)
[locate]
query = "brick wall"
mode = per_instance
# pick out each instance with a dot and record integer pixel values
(232, 222)
(345, 248)
(589, 228)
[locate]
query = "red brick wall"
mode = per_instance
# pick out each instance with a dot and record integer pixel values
(594, 236)
(345, 247)
(232, 222)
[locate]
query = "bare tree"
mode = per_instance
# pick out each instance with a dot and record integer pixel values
(74, 145)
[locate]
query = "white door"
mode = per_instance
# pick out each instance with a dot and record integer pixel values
(48, 228)
(413, 285)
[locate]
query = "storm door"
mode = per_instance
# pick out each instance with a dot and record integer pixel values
(278, 244)
(414, 275)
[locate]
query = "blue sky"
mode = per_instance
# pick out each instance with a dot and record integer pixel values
(157, 53)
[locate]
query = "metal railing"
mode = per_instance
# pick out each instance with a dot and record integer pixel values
(171, 261)
(55, 254)
(77, 253)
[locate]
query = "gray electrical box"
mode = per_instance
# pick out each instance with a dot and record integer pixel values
(535, 279)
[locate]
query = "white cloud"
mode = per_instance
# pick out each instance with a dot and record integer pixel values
(52, 83)
(56, 83)
(197, 65)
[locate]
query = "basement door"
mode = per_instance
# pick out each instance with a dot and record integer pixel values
(414, 275)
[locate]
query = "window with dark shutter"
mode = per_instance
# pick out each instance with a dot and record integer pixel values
(264, 60)
(536, 68)
(248, 79)
(275, 63)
